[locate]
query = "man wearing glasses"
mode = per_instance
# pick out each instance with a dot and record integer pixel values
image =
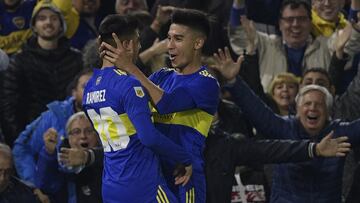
(296, 50)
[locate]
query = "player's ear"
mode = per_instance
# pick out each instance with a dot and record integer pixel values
(125, 44)
(199, 43)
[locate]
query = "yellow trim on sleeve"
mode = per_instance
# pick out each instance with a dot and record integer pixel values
(196, 119)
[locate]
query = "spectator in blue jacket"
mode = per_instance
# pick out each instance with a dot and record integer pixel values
(318, 180)
(80, 185)
(29, 143)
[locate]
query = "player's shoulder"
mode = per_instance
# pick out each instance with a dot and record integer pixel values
(204, 80)
(163, 71)
(206, 74)
(122, 78)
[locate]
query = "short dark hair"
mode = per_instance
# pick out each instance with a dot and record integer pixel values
(124, 26)
(195, 19)
(317, 70)
(294, 4)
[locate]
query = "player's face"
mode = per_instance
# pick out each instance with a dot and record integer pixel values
(78, 92)
(312, 111)
(82, 134)
(181, 46)
(47, 24)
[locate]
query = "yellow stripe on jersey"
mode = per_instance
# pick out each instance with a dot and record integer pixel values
(161, 196)
(130, 129)
(190, 196)
(195, 118)
(120, 72)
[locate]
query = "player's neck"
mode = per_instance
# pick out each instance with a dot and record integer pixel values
(191, 68)
(106, 63)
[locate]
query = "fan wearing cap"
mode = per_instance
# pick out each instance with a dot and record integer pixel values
(15, 17)
(39, 73)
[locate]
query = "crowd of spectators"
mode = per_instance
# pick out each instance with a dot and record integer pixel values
(288, 69)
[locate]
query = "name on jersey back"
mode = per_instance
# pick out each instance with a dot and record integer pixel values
(95, 96)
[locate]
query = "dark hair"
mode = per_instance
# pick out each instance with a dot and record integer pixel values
(124, 26)
(195, 19)
(294, 4)
(317, 70)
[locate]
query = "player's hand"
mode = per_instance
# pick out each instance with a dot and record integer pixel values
(183, 174)
(122, 56)
(50, 140)
(73, 157)
(329, 147)
(225, 65)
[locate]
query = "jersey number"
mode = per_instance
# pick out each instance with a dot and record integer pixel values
(110, 128)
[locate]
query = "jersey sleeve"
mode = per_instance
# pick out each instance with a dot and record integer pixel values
(135, 99)
(138, 111)
(202, 93)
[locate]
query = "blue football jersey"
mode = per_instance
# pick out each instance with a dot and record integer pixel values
(113, 100)
(186, 122)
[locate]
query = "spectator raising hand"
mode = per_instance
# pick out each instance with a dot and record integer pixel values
(163, 14)
(225, 64)
(50, 140)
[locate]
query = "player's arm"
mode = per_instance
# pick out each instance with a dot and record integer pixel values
(121, 57)
(136, 106)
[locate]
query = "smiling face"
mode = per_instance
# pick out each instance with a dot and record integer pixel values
(295, 26)
(47, 24)
(284, 94)
(328, 9)
(82, 134)
(183, 45)
(312, 111)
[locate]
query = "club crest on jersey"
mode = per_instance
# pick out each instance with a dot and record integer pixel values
(139, 92)
(19, 22)
(98, 80)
